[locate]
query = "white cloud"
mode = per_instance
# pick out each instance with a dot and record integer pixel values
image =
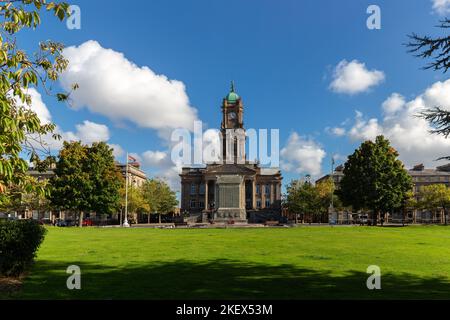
(364, 129)
(442, 7)
(336, 131)
(156, 159)
(117, 150)
(111, 85)
(87, 132)
(353, 77)
(38, 106)
(393, 104)
(90, 132)
(409, 134)
(302, 155)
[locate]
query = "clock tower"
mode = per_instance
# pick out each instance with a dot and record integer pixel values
(232, 128)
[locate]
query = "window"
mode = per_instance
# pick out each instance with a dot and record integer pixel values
(258, 204)
(193, 189)
(202, 189)
(258, 189)
(201, 204)
(267, 203)
(193, 204)
(267, 189)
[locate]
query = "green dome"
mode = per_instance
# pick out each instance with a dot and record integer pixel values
(232, 97)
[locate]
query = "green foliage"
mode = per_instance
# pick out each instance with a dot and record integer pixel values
(86, 179)
(435, 197)
(19, 241)
(374, 178)
(159, 197)
(20, 128)
(303, 197)
(136, 201)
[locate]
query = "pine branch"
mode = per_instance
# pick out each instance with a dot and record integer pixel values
(439, 119)
(436, 48)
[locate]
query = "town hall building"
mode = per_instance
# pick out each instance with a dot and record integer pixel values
(231, 191)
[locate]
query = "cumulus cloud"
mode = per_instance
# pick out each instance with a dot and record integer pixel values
(38, 106)
(117, 150)
(156, 159)
(353, 77)
(336, 131)
(393, 104)
(408, 134)
(112, 85)
(87, 132)
(90, 132)
(441, 7)
(302, 155)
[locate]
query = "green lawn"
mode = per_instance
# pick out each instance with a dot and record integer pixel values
(284, 263)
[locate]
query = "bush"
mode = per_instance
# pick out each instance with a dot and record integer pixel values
(19, 241)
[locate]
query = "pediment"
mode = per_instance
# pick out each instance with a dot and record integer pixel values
(230, 169)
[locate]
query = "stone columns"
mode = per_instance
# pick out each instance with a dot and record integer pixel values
(254, 194)
(272, 193)
(206, 195)
(263, 195)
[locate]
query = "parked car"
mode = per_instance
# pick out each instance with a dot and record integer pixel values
(88, 222)
(65, 223)
(60, 223)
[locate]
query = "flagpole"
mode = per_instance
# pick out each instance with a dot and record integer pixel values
(125, 223)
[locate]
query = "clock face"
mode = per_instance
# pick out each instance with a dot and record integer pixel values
(232, 115)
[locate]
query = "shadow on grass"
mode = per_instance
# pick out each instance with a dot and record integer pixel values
(221, 279)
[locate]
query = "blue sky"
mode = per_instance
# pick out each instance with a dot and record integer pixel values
(282, 56)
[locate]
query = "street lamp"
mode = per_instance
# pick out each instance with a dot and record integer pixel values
(331, 208)
(125, 223)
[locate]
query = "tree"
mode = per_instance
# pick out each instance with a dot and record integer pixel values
(436, 48)
(439, 50)
(303, 197)
(25, 196)
(105, 179)
(374, 178)
(21, 128)
(86, 179)
(136, 201)
(159, 197)
(435, 197)
(410, 202)
(71, 185)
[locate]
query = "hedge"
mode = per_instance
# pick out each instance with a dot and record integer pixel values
(19, 241)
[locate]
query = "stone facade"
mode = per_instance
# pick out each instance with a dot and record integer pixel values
(235, 188)
(419, 174)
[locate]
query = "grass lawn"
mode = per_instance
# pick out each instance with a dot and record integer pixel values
(288, 263)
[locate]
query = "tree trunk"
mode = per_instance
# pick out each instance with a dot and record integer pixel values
(374, 218)
(159, 218)
(80, 220)
(148, 218)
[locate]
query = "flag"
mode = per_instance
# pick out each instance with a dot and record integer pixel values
(131, 159)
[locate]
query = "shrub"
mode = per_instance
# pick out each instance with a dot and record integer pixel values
(19, 241)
